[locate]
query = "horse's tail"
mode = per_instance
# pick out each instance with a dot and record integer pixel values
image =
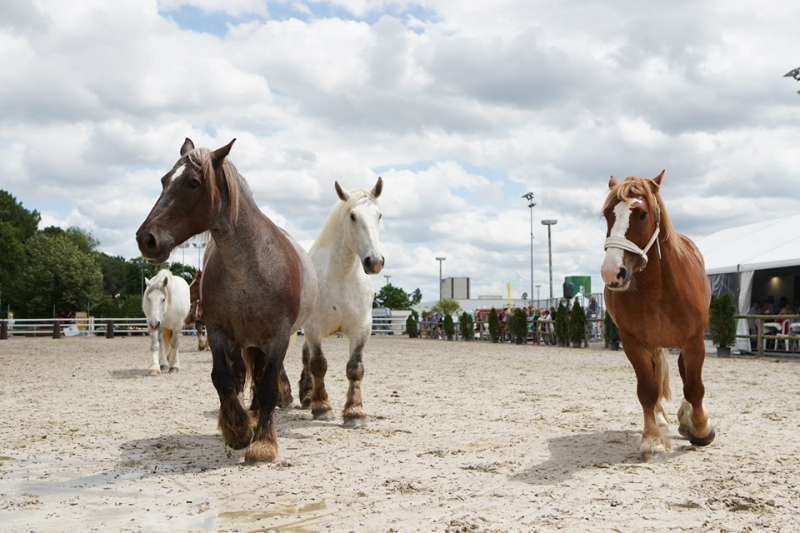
(661, 370)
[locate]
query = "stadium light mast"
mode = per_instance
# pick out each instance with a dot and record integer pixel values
(550, 222)
(531, 204)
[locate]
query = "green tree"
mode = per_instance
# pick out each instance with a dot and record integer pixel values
(446, 306)
(25, 222)
(59, 274)
(392, 297)
(416, 296)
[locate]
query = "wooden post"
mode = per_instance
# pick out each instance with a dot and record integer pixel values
(760, 327)
(3, 330)
(56, 329)
(109, 329)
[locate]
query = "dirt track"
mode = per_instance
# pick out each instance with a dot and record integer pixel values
(463, 437)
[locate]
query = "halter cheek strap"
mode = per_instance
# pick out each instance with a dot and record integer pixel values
(622, 243)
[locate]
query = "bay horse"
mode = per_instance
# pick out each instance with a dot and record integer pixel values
(658, 294)
(195, 316)
(258, 285)
(345, 254)
(165, 303)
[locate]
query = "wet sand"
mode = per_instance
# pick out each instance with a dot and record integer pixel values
(462, 437)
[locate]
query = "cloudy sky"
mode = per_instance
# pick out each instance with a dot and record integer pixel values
(461, 106)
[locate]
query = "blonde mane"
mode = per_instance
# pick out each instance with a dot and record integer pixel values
(632, 187)
(201, 159)
(338, 212)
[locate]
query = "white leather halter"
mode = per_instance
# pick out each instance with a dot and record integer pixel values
(622, 243)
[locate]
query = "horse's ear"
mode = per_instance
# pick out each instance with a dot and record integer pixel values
(378, 188)
(166, 280)
(657, 180)
(343, 196)
(219, 155)
(187, 147)
(612, 182)
(147, 281)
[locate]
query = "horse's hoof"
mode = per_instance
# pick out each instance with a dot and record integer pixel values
(306, 403)
(261, 452)
(243, 443)
(705, 441)
(286, 403)
(355, 423)
(154, 372)
(174, 370)
(164, 368)
(323, 415)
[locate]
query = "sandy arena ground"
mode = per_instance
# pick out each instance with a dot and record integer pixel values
(463, 437)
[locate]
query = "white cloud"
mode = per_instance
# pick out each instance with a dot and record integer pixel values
(460, 106)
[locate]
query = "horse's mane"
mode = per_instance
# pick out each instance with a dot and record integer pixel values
(235, 185)
(632, 187)
(155, 284)
(338, 213)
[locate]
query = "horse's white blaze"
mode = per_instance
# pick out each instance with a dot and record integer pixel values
(613, 259)
(365, 234)
(178, 173)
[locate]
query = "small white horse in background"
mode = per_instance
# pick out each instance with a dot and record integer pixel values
(346, 252)
(165, 304)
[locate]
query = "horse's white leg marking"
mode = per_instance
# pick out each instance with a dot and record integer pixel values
(155, 369)
(174, 362)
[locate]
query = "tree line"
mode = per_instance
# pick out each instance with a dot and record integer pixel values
(55, 271)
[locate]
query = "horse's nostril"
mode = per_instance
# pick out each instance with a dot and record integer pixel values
(368, 262)
(150, 240)
(622, 274)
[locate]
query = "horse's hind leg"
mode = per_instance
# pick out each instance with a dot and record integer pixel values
(265, 439)
(693, 420)
(234, 422)
(306, 380)
(174, 343)
(353, 413)
(163, 335)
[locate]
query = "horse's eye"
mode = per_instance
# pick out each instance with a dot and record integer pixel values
(194, 183)
(353, 217)
(380, 216)
(643, 216)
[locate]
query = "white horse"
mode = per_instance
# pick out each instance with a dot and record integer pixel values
(165, 304)
(346, 252)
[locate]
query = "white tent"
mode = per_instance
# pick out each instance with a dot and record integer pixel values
(739, 252)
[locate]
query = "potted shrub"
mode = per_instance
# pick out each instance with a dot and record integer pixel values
(577, 325)
(449, 327)
(721, 324)
(467, 326)
(519, 326)
(562, 324)
(411, 326)
(610, 332)
(495, 329)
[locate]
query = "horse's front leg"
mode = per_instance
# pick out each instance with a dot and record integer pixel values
(174, 343)
(318, 367)
(154, 369)
(693, 420)
(353, 412)
(265, 439)
(162, 349)
(654, 441)
(234, 422)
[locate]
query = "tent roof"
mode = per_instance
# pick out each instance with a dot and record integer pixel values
(770, 244)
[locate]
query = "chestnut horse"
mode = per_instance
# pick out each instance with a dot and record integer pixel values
(258, 285)
(195, 316)
(658, 293)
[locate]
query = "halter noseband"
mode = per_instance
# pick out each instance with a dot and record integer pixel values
(621, 243)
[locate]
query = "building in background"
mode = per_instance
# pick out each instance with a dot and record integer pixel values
(455, 288)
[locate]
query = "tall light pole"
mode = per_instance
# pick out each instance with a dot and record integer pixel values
(440, 259)
(199, 246)
(537, 294)
(387, 279)
(529, 196)
(548, 223)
